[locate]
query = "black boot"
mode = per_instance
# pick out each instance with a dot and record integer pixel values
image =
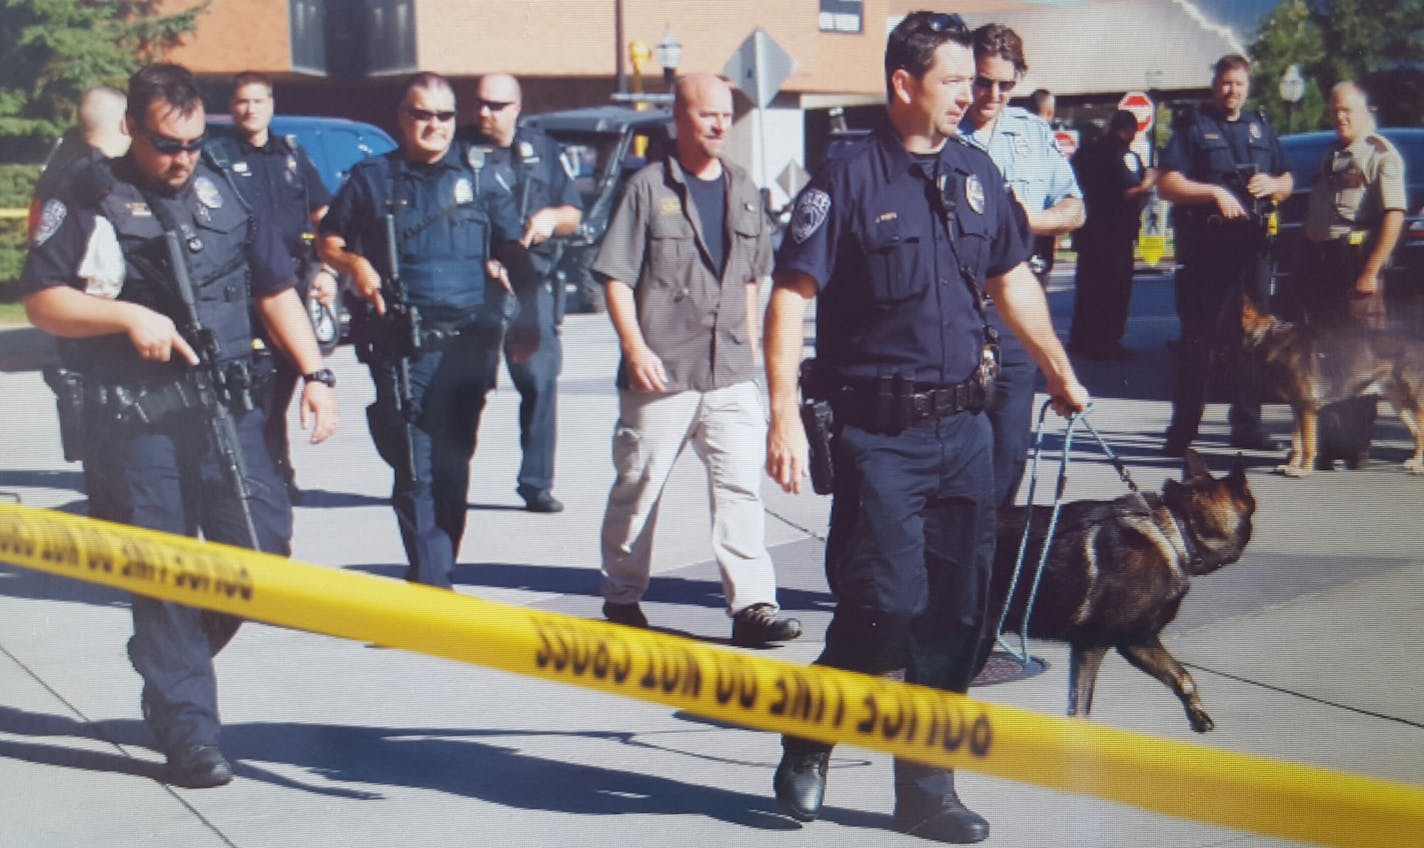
(939, 816)
(800, 781)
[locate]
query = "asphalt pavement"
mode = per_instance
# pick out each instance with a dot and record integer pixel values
(1306, 650)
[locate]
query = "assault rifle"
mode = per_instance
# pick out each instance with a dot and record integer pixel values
(219, 391)
(389, 343)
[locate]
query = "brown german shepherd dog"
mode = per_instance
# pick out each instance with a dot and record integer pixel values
(1117, 572)
(1316, 367)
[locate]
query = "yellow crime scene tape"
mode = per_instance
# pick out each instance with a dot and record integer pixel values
(1187, 780)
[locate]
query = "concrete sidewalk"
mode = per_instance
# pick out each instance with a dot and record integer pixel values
(1306, 650)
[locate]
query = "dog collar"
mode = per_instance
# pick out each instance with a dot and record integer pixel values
(1189, 545)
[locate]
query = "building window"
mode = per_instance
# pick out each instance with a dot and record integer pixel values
(369, 37)
(308, 22)
(842, 15)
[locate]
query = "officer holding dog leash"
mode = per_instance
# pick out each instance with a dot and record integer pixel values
(900, 238)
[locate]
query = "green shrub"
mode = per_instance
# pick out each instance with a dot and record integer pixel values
(17, 185)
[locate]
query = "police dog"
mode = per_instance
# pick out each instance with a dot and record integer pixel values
(1313, 368)
(1117, 572)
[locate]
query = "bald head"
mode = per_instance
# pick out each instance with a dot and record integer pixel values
(498, 103)
(1350, 111)
(702, 111)
(101, 120)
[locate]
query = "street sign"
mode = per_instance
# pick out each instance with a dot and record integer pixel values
(1067, 141)
(792, 178)
(759, 67)
(1140, 105)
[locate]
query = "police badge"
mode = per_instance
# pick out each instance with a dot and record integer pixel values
(974, 193)
(207, 192)
(527, 155)
(464, 191)
(1255, 130)
(812, 209)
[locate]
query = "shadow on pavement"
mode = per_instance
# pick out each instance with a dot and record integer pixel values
(449, 760)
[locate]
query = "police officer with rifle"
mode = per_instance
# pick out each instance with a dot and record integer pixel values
(145, 271)
(415, 229)
(1223, 170)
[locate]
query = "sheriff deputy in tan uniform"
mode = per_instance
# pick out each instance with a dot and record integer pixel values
(1354, 219)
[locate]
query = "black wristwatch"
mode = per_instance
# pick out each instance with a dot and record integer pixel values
(322, 375)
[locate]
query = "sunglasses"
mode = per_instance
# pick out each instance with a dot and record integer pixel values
(494, 105)
(427, 115)
(940, 22)
(985, 83)
(172, 146)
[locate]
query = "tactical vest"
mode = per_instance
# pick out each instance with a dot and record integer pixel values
(443, 233)
(214, 228)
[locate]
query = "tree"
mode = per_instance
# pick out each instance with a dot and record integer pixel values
(1376, 42)
(51, 51)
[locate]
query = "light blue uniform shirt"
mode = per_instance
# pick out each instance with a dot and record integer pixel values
(1022, 145)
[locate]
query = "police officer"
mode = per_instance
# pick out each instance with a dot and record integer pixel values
(447, 215)
(277, 179)
(1221, 170)
(101, 135)
(1355, 216)
(1115, 185)
(530, 165)
(96, 274)
(1038, 174)
(897, 237)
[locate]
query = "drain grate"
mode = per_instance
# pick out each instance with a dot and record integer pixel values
(1004, 667)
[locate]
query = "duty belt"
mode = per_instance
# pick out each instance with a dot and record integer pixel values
(888, 405)
(147, 402)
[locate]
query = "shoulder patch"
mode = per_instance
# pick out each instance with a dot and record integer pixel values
(812, 209)
(51, 217)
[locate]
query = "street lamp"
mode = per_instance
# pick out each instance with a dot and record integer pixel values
(1291, 91)
(668, 52)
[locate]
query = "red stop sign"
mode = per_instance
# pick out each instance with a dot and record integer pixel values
(1140, 105)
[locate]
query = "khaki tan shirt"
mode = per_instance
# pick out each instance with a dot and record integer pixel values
(695, 321)
(1353, 188)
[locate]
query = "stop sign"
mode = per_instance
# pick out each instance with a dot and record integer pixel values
(1067, 141)
(1140, 105)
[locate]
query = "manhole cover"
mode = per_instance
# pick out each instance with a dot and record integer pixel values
(1004, 667)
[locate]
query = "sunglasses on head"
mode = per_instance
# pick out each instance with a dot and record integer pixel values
(427, 115)
(986, 83)
(941, 21)
(172, 146)
(495, 105)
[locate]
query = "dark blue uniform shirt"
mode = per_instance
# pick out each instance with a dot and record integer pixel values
(1208, 148)
(448, 215)
(894, 298)
(278, 180)
(531, 169)
(76, 251)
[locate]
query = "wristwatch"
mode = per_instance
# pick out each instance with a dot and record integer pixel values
(321, 375)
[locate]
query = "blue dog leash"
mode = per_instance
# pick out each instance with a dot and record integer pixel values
(1022, 653)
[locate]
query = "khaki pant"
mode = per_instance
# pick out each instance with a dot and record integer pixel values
(727, 429)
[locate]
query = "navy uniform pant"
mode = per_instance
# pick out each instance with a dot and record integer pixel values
(166, 477)
(1010, 413)
(537, 382)
(908, 559)
(448, 388)
(1103, 281)
(1209, 291)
